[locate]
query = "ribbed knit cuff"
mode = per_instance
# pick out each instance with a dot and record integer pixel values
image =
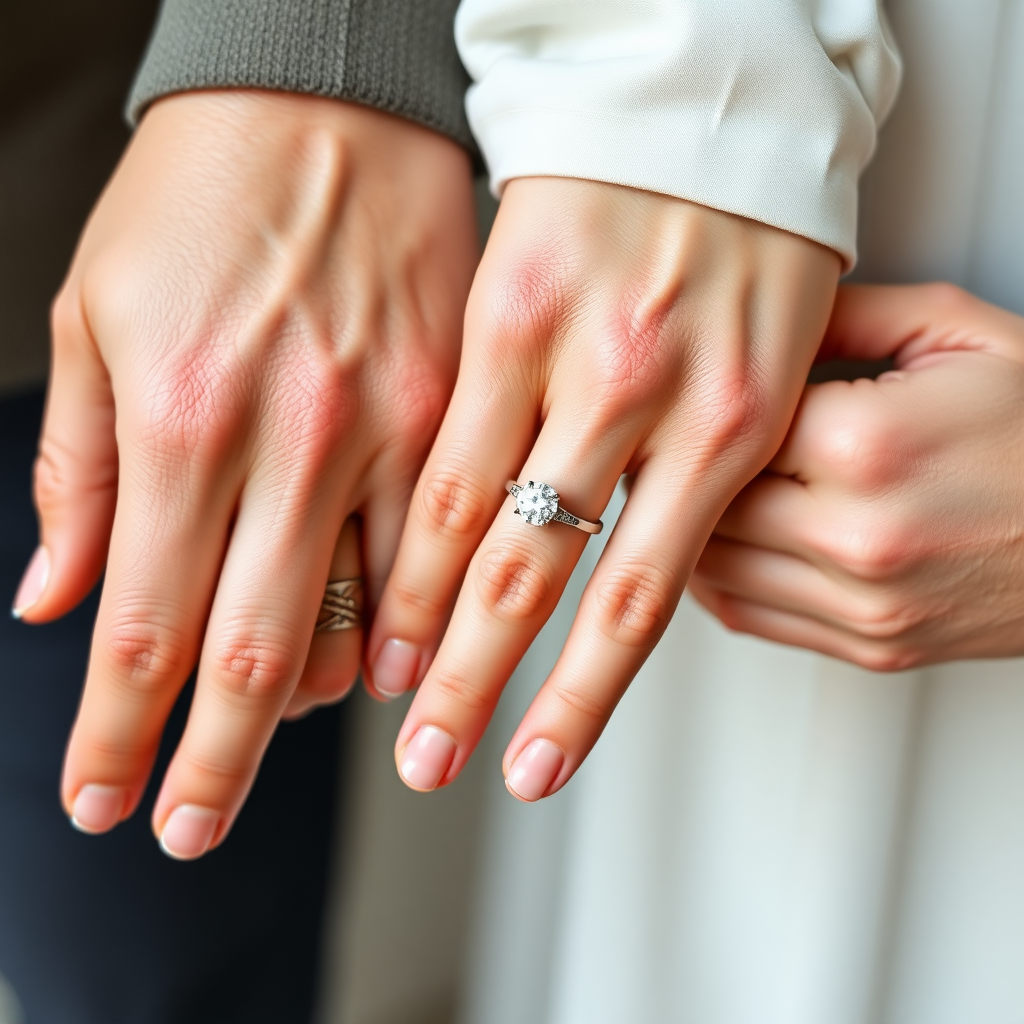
(393, 55)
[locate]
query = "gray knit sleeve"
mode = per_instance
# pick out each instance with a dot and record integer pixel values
(394, 55)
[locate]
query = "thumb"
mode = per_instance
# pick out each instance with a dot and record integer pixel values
(75, 472)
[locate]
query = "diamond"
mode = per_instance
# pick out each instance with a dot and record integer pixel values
(537, 503)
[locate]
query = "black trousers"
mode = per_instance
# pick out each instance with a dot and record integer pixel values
(107, 930)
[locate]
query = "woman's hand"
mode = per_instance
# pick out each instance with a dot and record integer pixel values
(257, 338)
(890, 530)
(608, 331)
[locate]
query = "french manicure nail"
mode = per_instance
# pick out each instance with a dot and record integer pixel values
(97, 808)
(394, 671)
(188, 832)
(427, 757)
(534, 770)
(33, 583)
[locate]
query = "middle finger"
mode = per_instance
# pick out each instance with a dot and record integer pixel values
(334, 653)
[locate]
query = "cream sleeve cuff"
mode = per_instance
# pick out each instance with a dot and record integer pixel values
(764, 108)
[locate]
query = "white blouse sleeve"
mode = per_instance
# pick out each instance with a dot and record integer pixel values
(764, 108)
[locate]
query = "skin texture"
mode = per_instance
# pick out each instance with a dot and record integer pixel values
(889, 530)
(608, 331)
(257, 338)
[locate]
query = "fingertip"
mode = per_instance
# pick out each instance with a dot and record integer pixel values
(396, 669)
(189, 832)
(98, 808)
(33, 585)
(534, 770)
(56, 580)
(426, 759)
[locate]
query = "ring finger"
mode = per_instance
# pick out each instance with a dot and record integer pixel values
(335, 650)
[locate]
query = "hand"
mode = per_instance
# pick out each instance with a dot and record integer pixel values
(890, 530)
(258, 337)
(608, 331)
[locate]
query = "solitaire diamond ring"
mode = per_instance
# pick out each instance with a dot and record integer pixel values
(537, 503)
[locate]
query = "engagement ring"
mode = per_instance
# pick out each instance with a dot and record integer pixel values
(538, 504)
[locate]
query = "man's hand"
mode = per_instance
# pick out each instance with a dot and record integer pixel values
(890, 529)
(257, 338)
(609, 331)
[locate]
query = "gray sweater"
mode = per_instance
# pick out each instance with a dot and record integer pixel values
(395, 55)
(65, 67)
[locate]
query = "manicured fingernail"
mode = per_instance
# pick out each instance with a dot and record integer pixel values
(188, 832)
(534, 770)
(394, 671)
(33, 583)
(427, 757)
(97, 808)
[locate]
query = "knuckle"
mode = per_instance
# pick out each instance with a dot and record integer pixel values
(315, 408)
(634, 605)
(883, 617)
(454, 505)
(580, 702)
(867, 551)
(184, 410)
(514, 584)
(50, 483)
(527, 301)
(454, 689)
(732, 412)
(228, 773)
(122, 756)
(419, 598)
(255, 668)
(881, 658)
(145, 657)
(870, 454)
(420, 406)
(60, 476)
(630, 362)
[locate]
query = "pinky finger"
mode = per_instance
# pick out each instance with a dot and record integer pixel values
(794, 630)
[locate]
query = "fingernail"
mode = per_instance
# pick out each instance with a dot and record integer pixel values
(534, 770)
(188, 832)
(427, 757)
(33, 583)
(97, 808)
(394, 671)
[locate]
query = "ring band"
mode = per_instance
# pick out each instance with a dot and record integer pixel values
(342, 606)
(538, 504)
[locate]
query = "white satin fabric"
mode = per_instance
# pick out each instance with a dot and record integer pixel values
(767, 836)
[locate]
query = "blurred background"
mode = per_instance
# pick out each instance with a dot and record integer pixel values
(757, 826)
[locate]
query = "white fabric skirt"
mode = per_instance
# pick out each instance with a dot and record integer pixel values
(767, 836)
